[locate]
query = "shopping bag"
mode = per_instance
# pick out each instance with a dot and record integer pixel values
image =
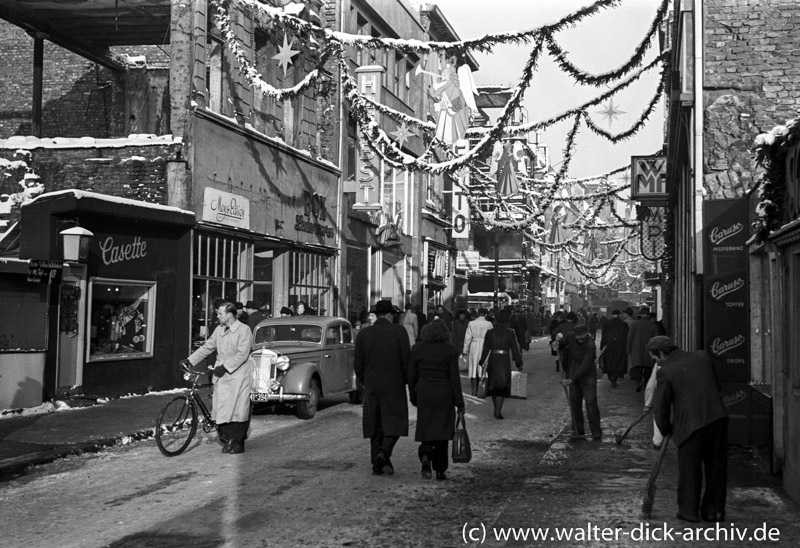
(462, 451)
(483, 386)
(463, 365)
(519, 384)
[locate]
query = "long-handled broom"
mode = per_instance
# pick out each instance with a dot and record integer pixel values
(620, 438)
(650, 490)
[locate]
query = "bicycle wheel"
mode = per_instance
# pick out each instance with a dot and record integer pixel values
(176, 426)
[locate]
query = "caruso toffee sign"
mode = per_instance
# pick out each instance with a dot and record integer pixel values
(725, 287)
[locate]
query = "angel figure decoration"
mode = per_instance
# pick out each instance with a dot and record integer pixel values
(456, 96)
(504, 168)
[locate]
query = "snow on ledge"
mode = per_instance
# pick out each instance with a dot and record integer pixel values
(28, 142)
(108, 198)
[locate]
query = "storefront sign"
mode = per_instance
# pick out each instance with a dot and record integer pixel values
(726, 300)
(41, 269)
(468, 260)
(112, 252)
(225, 208)
(649, 179)
(368, 164)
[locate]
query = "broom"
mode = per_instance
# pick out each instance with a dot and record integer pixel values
(650, 490)
(620, 438)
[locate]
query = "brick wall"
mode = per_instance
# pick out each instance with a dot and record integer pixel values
(136, 172)
(752, 83)
(79, 97)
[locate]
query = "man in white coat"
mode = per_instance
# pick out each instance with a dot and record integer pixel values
(232, 377)
(473, 346)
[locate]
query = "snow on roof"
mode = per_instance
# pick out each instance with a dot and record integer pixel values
(134, 139)
(108, 198)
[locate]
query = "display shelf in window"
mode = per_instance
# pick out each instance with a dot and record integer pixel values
(121, 319)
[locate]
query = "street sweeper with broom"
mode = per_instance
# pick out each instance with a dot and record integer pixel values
(688, 407)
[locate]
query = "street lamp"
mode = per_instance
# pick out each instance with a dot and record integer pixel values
(76, 243)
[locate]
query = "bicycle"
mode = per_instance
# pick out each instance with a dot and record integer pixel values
(177, 423)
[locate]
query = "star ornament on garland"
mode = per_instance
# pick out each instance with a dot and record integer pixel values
(402, 134)
(285, 54)
(610, 112)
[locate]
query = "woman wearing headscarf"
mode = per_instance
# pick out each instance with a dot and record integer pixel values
(435, 390)
(499, 346)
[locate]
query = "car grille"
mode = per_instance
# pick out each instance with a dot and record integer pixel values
(264, 369)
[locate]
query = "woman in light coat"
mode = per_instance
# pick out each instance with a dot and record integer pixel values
(473, 346)
(409, 321)
(232, 377)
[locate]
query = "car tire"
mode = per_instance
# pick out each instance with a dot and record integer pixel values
(307, 409)
(357, 395)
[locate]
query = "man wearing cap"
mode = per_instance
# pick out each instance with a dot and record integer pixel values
(688, 405)
(581, 380)
(381, 365)
(254, 315)
(641, 364)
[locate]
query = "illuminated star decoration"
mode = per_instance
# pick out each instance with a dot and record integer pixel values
(402, 134)
(285, 54)
(610, 112)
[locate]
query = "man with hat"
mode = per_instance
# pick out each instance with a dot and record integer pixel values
(381, 365)
(254, 315)
(641, 364)
(688, 405)
(581, 380)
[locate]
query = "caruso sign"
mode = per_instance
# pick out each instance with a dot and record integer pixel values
(226, 208)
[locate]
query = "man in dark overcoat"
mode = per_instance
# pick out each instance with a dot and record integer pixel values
(381, 365)
(688, 405)
(613, 346)
(581, 381)
(639, 332)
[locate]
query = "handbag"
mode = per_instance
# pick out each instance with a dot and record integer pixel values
(462, 451)
(483, 386)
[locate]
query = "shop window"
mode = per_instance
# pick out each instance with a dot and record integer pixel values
(121, 319)
(397, 194)
(310, 281)
(223, 271)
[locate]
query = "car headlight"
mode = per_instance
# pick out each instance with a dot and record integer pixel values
(282, 363)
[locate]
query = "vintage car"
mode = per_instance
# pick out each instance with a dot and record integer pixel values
(300, 359)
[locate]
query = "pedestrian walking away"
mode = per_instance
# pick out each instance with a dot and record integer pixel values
(499, 346)
(473, 347)
(614, 345)
(689, 407)
(410, 323)
(579, 351)
(460, 324)
(640, 362)
(381, 365)
(232, 377)
(434, 385)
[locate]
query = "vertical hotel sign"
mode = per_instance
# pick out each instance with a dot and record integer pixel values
(368, 169)
(725, 287)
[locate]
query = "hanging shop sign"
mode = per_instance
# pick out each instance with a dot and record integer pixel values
(460, 218)
(725, 281)
(468, 260)
(652, 241)
(649, 179)
(225, 208)
(367, 163)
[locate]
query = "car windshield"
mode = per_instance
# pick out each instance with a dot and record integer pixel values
(294, 332)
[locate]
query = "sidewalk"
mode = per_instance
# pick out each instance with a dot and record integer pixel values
(31, 440)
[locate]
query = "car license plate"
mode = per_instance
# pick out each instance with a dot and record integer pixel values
(259, 396)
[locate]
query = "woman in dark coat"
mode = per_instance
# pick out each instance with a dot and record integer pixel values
(435, 389)
(500, 345)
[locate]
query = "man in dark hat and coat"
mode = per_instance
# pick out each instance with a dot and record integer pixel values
(641, 364)
(613, 345)
(254, 315)
(688, 405)
(381, 365)
(581, 381)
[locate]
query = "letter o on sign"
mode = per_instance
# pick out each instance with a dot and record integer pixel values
(459, 223)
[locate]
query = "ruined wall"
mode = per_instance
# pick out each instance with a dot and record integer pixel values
(137, 171)
(752, 83)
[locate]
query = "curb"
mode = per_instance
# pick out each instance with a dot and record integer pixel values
(21, 466)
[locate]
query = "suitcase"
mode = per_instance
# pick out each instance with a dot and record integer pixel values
(519, 384)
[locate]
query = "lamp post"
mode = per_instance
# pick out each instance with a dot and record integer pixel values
(76, 243)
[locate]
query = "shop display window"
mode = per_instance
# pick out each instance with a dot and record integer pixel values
(121, 319)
